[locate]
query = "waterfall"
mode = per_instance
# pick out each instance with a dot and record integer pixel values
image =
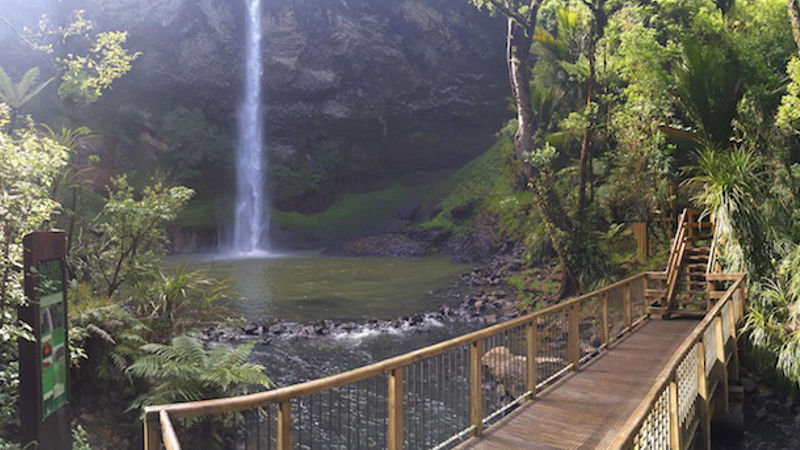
(251, 222)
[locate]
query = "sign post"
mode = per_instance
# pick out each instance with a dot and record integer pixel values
(44, 362)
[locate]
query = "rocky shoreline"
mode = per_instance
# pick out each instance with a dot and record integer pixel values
(491, 300)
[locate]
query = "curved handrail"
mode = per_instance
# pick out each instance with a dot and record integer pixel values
(629, 431)
(260, 399)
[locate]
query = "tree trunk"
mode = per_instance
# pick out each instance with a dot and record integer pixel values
(794, 15)
(582, 167)
(557, 222)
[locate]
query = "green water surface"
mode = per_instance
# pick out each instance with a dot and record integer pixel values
(310, 287)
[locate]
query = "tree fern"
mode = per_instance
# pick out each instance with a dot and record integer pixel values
(186, 370)
(16, 95)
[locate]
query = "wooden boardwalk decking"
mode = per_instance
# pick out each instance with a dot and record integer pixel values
(586, 409)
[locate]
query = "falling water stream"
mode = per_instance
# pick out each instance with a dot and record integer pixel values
(250, 235)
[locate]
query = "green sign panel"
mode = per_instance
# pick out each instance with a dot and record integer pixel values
(52, 337)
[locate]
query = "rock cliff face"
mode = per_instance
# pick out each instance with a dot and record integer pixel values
(356, 90)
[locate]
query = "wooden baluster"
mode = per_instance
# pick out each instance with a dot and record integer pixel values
(531, 351)
(702, 390)
(674, 416)
(573, 338)
(285, 425)
(628, 306)
(734, 367)
(152, 437)
(720, 350)
(604, 318)
(475, 388)
(395, 431)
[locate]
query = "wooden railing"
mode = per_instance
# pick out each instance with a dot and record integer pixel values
(677, 410)
(434, 397)
(676, 255)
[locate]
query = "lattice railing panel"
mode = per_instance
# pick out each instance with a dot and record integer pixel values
(654, 432)
(710, 348)
(726, 322)
(687, 386)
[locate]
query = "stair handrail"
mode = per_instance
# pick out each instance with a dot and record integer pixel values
(677, 254)
(712, 266)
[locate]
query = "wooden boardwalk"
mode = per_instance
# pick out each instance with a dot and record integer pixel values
(586, 409)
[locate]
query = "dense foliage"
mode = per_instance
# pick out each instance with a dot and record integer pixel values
(673, 104)
(124, 305)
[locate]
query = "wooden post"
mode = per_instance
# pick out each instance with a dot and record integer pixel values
(720, 350)
(674, 417)
(531, 350)
(702, 390)
(285, 425)
(734, 368)
(475, 388)
(395, 432)
(628, 306)
(604, 318)
(573, 338)
(640, 236)
(152, 437)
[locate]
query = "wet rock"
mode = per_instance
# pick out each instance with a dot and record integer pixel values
(387, 245)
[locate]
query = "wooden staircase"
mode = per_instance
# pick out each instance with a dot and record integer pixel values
(684, 288)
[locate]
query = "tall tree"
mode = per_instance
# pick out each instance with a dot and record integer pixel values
(596, 31)
(521, 16)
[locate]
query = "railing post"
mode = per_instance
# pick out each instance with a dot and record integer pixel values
(604, 318)
(720, 350)
(475, 388)
(734, 369)
(285, 425)
(395, 432)
(628, 306)
(531, 351)
(674, 417)
(702, 390)
(152, 438)
(573, 338)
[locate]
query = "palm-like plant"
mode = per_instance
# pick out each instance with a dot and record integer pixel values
(710, 84)
(731, 186)
(16, 95)
(185, 370)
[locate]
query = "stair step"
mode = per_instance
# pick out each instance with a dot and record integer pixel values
(655, 293)
(697, 266)
(693, 292)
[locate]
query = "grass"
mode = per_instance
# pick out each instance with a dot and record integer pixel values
(351, 213)
(461, 195)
